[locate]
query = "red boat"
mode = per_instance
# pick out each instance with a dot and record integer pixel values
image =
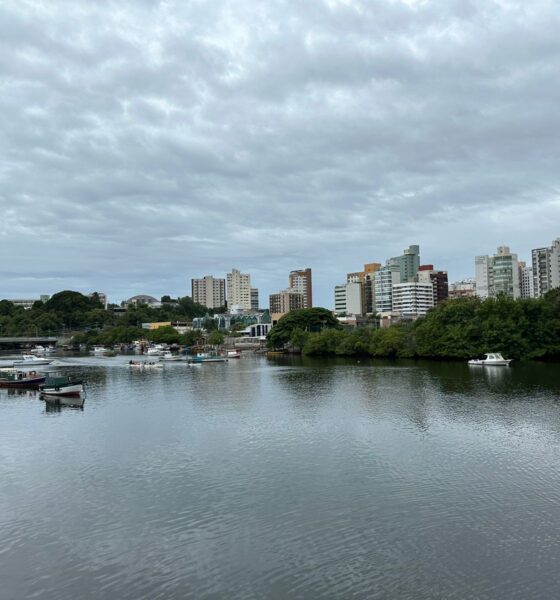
(21, 379)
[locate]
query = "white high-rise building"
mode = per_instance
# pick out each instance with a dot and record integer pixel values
(412, 299)
(239, 289)
(526, 281)
(497, 274)
(348, 299)
(209, 291)
(546, 268)
(384, 280)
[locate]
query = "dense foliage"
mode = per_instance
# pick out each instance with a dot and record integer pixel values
(304, 320)
(456, 329)
(70, 311)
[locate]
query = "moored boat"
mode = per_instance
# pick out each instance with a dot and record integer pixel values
(155, 350)
(31, 360)
(13, 378)
(169, 356)
(60, 385)
(491, 359)
(203, 357)
(233, 354)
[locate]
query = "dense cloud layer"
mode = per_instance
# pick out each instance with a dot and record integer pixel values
(145, 143)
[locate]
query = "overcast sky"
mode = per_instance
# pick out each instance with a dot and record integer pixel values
(143, 143)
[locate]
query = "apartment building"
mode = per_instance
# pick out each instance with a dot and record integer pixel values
(209, 291)
(238, 289)
(412, 299)
(301, 281)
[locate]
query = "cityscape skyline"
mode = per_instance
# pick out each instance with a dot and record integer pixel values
(255, 290)
(150, 143)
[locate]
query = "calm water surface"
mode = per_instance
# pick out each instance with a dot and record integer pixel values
(304, 479)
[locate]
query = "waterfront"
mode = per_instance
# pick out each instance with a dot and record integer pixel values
(285, 479)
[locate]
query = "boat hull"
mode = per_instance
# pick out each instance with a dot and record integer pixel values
(31, 382)
(209, 360)
(74, 389)
(32, 363)
(483, 363)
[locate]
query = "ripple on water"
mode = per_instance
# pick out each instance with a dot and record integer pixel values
(297, 481)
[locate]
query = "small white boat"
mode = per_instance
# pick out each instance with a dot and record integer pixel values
(155, 350)
(491, 359)
(233, 354)
(168, 356)
(99, 350)
(32, 360)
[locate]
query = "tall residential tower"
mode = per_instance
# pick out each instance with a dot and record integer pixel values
(209, 291)
(497, 274)
(300, 280)
(239, 289)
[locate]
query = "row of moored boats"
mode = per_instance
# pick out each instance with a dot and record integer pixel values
(50, 384)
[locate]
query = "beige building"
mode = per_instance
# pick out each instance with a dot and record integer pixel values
(301, 281)
(209, 291)
(285, 301)
(366, 279)
(239, 289)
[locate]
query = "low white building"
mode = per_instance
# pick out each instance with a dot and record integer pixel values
(28, 303)
(257, 330)
(413, 299)
(465, 288)
(348, 299)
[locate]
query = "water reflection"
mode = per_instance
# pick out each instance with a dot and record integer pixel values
(55, 408)
(285, 479)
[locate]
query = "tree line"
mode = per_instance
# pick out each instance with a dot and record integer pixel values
(455, 329)
(69, 311)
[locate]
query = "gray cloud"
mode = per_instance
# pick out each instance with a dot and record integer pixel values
(145, 143)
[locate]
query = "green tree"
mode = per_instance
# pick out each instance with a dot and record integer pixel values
(164, 335)
(216, 338)
(306, 319)
(190, 338)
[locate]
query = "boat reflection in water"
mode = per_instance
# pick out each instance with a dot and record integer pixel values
(55, 406)
(54, 400)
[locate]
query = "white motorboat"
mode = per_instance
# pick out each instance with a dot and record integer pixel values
(155, 350)
(99, 350)
(168, 356)
(491, 359)
(233, 354)
(38, 349)
(31, 360)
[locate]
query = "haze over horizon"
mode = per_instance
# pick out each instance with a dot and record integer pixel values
(146, 143)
